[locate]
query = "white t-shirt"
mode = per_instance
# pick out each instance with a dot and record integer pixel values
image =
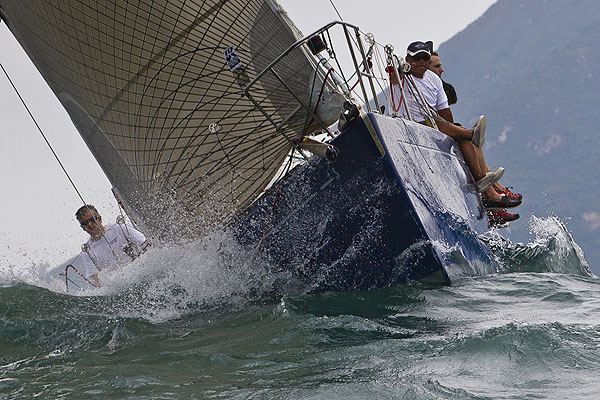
(431, 88)
(114, 240)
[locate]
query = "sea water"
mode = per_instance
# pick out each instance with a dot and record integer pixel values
(204, 321)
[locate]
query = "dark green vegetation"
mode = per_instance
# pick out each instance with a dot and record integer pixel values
(532, 67)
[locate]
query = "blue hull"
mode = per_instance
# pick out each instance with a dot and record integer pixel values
(398, 205)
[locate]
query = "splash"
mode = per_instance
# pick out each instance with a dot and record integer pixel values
(169, 281)
(175, 280)
(25, 270)
(552, 250)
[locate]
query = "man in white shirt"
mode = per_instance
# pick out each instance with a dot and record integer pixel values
(108, 247)
(431, 87)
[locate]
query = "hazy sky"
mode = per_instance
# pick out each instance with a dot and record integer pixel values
(37, 202)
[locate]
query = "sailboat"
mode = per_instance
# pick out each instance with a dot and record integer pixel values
(203, 115)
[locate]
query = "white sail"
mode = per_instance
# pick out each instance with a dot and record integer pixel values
(155, 88)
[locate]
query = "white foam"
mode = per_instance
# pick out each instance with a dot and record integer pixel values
(168, 281)
(553, 249)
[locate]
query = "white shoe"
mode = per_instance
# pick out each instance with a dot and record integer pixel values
(479, 132)
(489, 179)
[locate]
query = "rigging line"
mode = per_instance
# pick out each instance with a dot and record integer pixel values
(425, 108)
(364, 33)
(318, 102)
(120, 207)
(48, 143)
(336, 10)
(392, 89)
(334, 56)
(42, 133)
(314, 81)
(379, 62)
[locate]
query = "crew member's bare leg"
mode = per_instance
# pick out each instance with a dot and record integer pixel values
(497, 185)
(469, 152)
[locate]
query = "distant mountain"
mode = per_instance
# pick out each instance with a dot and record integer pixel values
(533, 67)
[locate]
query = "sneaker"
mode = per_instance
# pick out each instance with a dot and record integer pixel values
(501, 217)
(479, 132)
(510, 194)
(504, 202)
(489, 179)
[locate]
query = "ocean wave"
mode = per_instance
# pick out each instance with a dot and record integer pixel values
(525, 333)
(552, 250)
(173, 281)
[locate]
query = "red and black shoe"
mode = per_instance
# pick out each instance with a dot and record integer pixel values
(501, 217)
(510, 194)
(504, 202)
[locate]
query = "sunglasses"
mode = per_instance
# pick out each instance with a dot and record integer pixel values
(90, 220)
(421, 57)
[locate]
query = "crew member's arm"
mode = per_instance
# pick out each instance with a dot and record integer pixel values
(441, 101)
(392, 74)
(445, 125)
(91, 272)
(139, 239)
(446, 114)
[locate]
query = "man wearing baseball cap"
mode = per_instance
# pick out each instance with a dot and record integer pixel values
(418, 55)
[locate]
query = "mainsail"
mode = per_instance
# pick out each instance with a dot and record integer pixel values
(155, 89)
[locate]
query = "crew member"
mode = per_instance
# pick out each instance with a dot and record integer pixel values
(430, 86)
(108, 247)
(435, 65)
